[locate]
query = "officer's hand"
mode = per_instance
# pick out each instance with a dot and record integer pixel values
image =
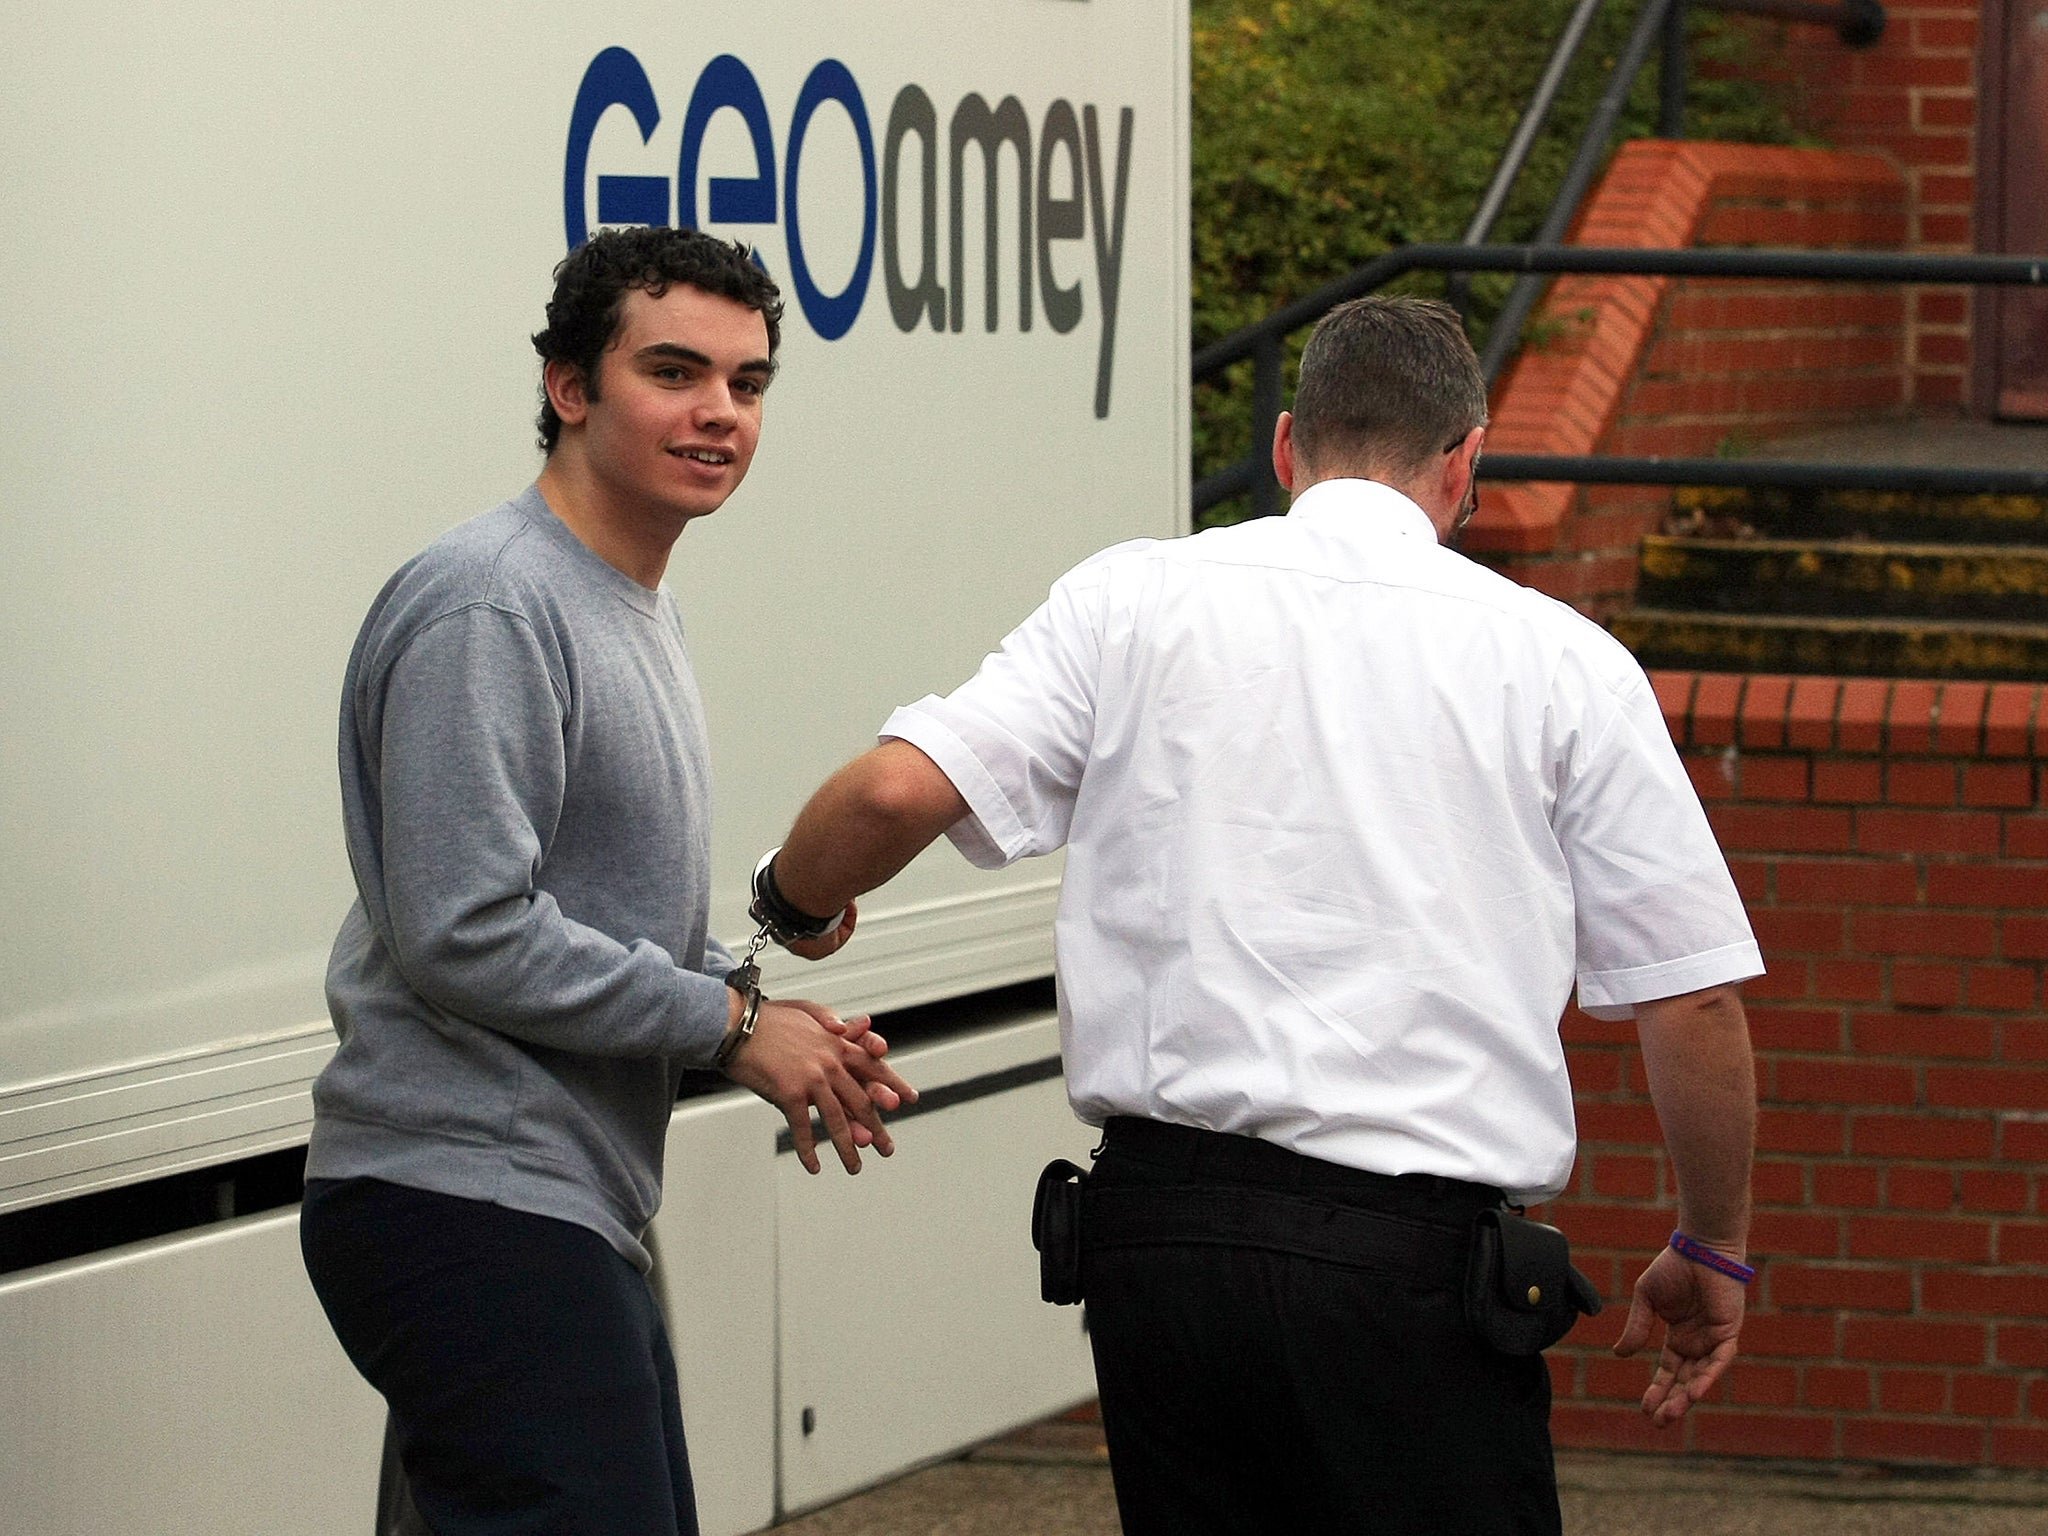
(826, 943)
(1702, 1313)
(802, 1057)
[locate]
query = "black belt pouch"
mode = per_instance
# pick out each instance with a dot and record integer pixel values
(1056, 1232)
(1522, 1293)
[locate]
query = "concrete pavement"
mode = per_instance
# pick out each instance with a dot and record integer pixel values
(1053, 1480)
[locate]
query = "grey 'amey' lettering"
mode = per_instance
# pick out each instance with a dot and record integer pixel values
(1007, 124)
(913, 113)
(1109, 239)
(1059, 218)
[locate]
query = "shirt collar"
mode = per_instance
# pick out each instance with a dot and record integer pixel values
(1362, 507)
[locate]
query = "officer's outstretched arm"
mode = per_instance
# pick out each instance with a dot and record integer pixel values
(1703, 1081)
(863, 825)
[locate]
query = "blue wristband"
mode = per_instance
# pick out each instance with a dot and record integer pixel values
(1700, 1253)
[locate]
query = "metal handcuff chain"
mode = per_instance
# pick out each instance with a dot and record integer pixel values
(784, 924)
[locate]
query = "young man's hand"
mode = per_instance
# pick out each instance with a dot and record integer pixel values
(803, 1056)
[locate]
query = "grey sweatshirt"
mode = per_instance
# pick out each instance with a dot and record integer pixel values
(526, 800)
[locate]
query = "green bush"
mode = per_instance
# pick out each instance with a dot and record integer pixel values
(1329, 131)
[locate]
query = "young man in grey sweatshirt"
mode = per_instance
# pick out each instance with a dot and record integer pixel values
(528, 969)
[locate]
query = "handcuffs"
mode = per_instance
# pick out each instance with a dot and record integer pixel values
(784, 924)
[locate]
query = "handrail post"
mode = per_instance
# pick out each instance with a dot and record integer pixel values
(1671, 74)
(1863, 26)
(1265, 419)
(1858, 23)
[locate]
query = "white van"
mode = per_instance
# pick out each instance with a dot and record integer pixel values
(270, 274)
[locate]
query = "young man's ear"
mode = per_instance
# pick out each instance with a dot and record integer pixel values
(567, 391)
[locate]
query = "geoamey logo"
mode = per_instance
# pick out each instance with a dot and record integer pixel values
(935, 296)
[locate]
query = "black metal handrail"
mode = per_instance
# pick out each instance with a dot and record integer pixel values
(1263, 341)
(1650, 28)
(1523, 139)
(1660, 27)
(1858, 23)
(1534, 116)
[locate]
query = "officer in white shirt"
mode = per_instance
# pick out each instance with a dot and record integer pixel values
(1348, 817)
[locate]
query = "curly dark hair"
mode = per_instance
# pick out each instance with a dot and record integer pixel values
(592, 282)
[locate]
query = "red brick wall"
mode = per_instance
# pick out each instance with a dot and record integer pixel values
(1913, 98)
(1684, 367)
(1891, 840)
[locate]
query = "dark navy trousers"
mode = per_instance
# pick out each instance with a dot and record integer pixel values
(531, 1386)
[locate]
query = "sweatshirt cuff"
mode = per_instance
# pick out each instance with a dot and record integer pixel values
(703, 1011)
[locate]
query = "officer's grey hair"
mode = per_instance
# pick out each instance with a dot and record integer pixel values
(1386, 383)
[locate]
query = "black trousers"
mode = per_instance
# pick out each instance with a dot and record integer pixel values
(527, 1370)
(1246, 1390)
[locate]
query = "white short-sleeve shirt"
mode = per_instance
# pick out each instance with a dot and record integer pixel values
(1347, 818)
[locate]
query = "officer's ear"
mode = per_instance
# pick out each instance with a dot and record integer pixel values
(1283, 451)
(1461, 466)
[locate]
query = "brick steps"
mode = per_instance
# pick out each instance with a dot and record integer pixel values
(1887, 516)
(1843, 647)
(1837, 577)
(1851, 584)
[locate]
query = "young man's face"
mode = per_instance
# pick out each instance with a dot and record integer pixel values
(678, 407)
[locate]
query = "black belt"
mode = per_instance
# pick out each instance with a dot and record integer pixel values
(1140, 1216)
(1241, 1191)
(1162, 1185)
(1218, 1156)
